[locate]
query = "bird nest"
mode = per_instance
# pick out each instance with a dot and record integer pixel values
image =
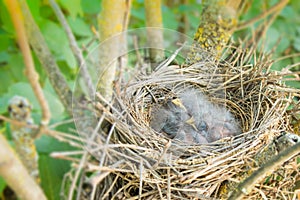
(134, 161)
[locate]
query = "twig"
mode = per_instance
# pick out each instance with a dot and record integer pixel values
(168, 145)
(103, 157)
(15, 174)
(246, 186)
(80, 167)
(141, 178)
(123, 59)
(68, 121)
(56, 134)
(74, 47)
(274, 8)
(33, 77)
(44, 55)
(169, 185)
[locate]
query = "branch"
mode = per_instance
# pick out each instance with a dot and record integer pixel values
(33, 77)
(122, 60)
(74, 47)
(110, 23)
(60, 136)
(15, 174)
(154, 36)
(44, 55)
(246, 186)
(273, 9)
(218, 20)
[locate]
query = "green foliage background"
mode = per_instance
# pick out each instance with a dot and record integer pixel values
(82, 15)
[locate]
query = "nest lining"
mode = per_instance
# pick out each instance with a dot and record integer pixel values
(160, 168)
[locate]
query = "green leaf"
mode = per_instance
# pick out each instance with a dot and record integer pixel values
(288, 12)
(272, 39)
(24, 89)
(46, 12)
(296, 44)
(4, 57)
(283, 44)
(278, 66)
(6, 22)
(56, 107)
(52, 172)
(2, 185)
(189, 8)
(6, 78)
(34, 6)
(169, 18)
(295, 4)
(39, 69)
(46, 144)
(16, 67)
(91, 7)
(138, 13)
(79, 27)
(5, 41)
(69, 57)
(298, 30)
(72, 6)
(66, 70)
(294, 84)
(255, 8)
(54, 36)
(4, 103)
(58, 42)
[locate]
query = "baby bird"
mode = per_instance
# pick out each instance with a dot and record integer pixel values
(217, 120)
(192, 119)
(173, 120)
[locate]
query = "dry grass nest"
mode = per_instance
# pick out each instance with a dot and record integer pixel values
(133, 161)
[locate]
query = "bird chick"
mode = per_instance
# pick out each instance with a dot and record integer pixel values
(168, 118)
(172, 119)
(192, 118)
(213, 121)
(190, 135)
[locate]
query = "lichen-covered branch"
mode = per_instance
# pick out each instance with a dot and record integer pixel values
(218, 20)
(33, 77)
(15, 174)
(44, 55)
(20, 109)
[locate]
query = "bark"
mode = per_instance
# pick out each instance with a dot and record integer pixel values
(44, 55)
(74, 47)
(33, 77)
(110, 23)
(154, 36)
(248, 184)
(219, 19)
(16, 175)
